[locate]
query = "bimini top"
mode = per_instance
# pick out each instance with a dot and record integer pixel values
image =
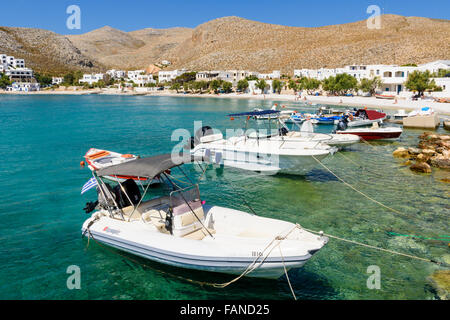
(371, 114)
(255, 113)
(147, 167)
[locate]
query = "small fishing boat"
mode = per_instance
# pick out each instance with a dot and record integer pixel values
(365, 117)
(181, 230)
(385, 96)
(374, 132)
(98, 159)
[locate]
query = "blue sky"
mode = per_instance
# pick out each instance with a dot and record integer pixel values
(138, 14)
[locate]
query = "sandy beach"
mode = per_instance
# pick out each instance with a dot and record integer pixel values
(442, 109)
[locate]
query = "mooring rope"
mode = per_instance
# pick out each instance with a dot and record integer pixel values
(354, 189)
(381, 249)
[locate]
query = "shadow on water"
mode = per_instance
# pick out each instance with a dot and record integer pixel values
(305, 283)
(315, 175)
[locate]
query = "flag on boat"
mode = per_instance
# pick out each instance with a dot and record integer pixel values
(89, 185)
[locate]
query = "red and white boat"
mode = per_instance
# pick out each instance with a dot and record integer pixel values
(364, 117)
(98, 159)
(374, 132)
(385, 96)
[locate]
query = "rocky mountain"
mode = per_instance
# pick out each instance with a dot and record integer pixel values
(236, 43)
(136, 49)
(44, 51)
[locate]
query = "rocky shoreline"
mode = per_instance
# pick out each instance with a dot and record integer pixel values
(433, 150)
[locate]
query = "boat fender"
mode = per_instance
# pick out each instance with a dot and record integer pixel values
(82, 164)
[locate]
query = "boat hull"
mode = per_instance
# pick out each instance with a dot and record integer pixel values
(374, 135)
(267, 163)
(225, 253)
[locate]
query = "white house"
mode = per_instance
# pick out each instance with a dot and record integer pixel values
(20, 74)
(57, 80)
(116, 74)
(393, 77)
(435, 66)
(143, 79)
(254, 90)
(23, 87)
(91, 78)
(167, 76)
(274, 75)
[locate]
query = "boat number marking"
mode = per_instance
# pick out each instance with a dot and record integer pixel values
(257, 254)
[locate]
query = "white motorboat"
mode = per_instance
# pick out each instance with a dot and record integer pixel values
(180, 230)
(265, 152)
(98, 159)
(307, 134)
(365, 117)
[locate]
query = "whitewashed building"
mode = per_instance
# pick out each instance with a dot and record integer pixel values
(20, 74)
(167, 76)
(57, 80)
(144, 79)
(91, 78)
(254, 90)
(23, 87)
(274, 75)
(116, 74)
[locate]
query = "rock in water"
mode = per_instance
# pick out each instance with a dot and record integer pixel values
(421, 167)
(440, 282)
(401, 153)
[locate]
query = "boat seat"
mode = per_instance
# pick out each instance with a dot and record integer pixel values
(199, 234)
(157, 218)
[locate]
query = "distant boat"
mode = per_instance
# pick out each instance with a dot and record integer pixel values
(385, 96)
(98, 159)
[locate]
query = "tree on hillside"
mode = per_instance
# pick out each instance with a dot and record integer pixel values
(340, 85)
(176, 86)
(43, 80)
(420, 82)
(242, 85)
(251, 78)
(186, 77)
(4, 81)
(261, 84)
(293, 85)
(311, 84)
(277, 86)
(68, 79)
(227, 86)
(215, 85)
(370, 85)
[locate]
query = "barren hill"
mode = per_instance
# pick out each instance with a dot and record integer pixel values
(236, 43)
(136, 49)
(44, 50)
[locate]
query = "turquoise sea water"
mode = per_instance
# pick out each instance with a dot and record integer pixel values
(43, 139)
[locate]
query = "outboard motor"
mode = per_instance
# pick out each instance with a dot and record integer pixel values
(283, 131)
(342, 125)
(90, 206)
(195, 140)
(132, 192)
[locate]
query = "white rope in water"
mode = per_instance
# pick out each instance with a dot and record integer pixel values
(354, 189)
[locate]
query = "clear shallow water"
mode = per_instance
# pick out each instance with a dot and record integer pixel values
(43, 139)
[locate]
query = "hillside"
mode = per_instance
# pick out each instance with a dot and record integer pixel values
(236, 43)
(44, 51)
(136, 49)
